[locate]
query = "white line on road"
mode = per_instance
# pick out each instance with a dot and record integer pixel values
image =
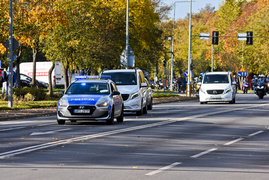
(234, 141)
(163, 169)
(253, 134)
(92, 136)
(49, 132)
(203, 153)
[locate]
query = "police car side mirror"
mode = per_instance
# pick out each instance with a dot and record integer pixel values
(199, 83)
(116, 93)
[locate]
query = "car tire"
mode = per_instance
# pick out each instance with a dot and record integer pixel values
(203, 102)
(110, 121)
(145, 110)
(150, 105)
(61, 122)
(120, 118)
(140, 112)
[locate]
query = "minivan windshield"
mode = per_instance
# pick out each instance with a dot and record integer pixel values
(122, 78)
(216, 78)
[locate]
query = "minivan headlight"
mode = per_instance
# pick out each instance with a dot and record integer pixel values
(135, 95)
(227, 90)
(202, 90)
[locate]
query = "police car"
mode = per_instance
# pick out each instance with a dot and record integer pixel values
(92, 99)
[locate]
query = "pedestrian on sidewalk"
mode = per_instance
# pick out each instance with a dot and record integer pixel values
(4, 84)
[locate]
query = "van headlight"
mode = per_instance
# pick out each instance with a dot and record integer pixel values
(103, 102)
(202, 90)
(135, 95)
(227, 90)
(63, 102)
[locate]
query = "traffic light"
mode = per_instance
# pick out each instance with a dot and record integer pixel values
(249, 37)
(215, 37)
(192, 66)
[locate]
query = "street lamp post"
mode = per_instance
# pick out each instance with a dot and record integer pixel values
(172, 64)
(189, 58)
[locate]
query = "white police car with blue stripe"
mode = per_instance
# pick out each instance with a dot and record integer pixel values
(90, 98)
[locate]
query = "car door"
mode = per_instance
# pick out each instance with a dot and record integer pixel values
(116, 99)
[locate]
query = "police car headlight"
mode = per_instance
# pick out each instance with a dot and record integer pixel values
(63, 102)
(103, 102)
(135, 95)
(227, 90)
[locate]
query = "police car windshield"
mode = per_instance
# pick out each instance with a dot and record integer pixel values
(216, 78)
(88, 88)
(122, 78)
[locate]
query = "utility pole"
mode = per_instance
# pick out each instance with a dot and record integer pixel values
(190, 58)
(10, 57)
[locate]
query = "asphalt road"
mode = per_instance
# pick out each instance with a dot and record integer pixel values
(183, 140)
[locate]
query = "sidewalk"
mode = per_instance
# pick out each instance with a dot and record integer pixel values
(38, 112)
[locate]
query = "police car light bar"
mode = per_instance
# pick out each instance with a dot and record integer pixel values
(92, 77)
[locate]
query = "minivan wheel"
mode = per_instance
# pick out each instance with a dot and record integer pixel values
(140, 112)
(145, 110)
(61, 122)
(150, 105)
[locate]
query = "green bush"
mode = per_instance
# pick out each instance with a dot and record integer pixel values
(37, 93)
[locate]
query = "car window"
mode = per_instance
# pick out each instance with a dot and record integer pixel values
(215, 78)
(122, 78)
(88, 88)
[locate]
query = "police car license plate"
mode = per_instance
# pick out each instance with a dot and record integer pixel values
(82, 111)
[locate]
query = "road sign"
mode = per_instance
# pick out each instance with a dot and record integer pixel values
(16, 44)
(242, 69)
(131, 57)
(186, 74)
(204, 36)
(242, 36)
(242, 74)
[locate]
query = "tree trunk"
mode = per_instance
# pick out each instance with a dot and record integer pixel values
(34, 68)
(66, 82)
(50, 81)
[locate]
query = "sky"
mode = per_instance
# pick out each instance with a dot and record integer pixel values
(183, 8)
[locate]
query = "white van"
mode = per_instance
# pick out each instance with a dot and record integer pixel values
(132, 86)
(42, 72)
(217, 87)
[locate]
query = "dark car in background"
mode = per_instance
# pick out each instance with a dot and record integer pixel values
(26, 81)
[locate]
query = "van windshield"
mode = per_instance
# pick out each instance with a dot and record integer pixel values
(122, 78)
(215, 78)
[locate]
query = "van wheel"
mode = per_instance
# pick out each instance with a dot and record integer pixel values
(150, 105)
(145, 110)
(61, 122)
(140, 112)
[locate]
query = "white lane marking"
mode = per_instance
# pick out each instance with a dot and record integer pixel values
(253, 134)
(203, 153)
(10, 129)
(87, 137)
(234, 141)
(163, 169)
(49, 132)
